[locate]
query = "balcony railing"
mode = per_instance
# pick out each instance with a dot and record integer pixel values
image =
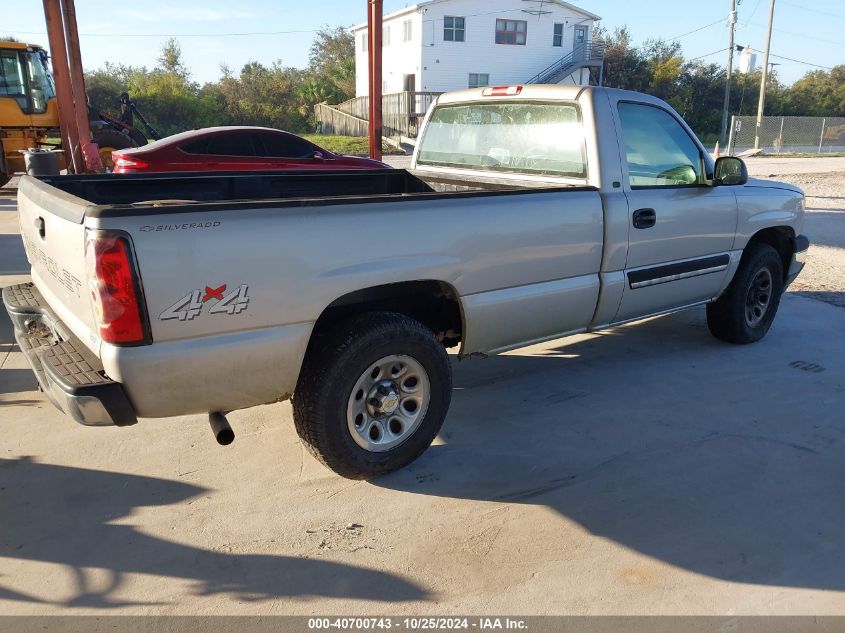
(583, 55)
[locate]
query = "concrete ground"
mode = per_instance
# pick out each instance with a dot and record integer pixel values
(649, 469)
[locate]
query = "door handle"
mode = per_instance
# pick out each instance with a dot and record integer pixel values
(644, 218)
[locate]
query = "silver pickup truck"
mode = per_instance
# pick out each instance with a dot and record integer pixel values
(529, 213)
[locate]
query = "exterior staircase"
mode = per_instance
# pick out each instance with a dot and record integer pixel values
(587, 55)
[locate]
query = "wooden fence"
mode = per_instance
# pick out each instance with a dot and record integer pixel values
(330, 120)
(402, 114)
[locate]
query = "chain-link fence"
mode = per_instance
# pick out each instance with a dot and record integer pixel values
(789, 134)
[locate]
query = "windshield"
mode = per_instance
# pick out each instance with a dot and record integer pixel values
(24, 77)
(531, 138)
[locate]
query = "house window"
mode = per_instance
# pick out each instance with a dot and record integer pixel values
(558, 38)
(364, 43)
(386, 37)
(511, 32)
(454, 29)
(407, 32)
(580, 35)
(479, 80)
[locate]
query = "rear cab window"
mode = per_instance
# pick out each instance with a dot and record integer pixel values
(536, 138)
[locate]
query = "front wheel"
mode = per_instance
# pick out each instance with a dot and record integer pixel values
(372, 394)
(744, 313)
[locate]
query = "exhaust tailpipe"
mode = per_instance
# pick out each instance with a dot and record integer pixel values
(223, 433)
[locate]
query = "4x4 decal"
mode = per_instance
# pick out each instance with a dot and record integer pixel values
(191, 305)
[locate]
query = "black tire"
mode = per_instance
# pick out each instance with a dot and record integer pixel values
(108, 140)
(137, 137)
(733, 317)
(333, 365)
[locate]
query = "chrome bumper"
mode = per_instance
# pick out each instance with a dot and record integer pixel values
(69, 374)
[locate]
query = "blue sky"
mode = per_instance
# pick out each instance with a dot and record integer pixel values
(209, 30)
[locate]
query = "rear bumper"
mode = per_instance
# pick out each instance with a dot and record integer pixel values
(70, 375)
(801, 245)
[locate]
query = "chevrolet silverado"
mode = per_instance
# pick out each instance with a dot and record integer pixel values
(529, 213)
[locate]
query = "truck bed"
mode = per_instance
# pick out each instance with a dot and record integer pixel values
(117, 195)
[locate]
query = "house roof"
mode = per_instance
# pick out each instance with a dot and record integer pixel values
(421, 5)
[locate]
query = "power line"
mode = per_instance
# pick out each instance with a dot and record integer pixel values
(804, 35)
(798, 61)
(756, 6)
(805, 8)
(701, 28)
(15, 31)
(721, 50)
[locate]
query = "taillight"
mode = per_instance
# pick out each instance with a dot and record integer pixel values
(502, 91)
(114, 289)
(132, 163)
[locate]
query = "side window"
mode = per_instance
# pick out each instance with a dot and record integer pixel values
(284, 146)
(11, 78)
(479, 80)
(199, 146)
(511, 32)
(231, 144)
(454, 29)
(557, 40)
(659, 151)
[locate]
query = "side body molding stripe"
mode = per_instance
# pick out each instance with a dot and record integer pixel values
(682, 270)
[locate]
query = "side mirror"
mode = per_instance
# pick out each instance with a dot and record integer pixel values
(730, 170)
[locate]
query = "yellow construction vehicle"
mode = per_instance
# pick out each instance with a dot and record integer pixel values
(29, 113)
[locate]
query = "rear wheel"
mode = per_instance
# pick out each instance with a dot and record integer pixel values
(109, 140)
(744, 313)
(372, 394)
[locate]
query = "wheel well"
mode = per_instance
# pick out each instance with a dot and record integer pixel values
(433, 303)
(782, 239)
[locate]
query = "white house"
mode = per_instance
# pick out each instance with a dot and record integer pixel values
(443, 45)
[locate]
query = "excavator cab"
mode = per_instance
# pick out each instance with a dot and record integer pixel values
(29, 113)
(25, 80)
(28, 108)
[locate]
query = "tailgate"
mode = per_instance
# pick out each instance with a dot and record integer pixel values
(53, 234)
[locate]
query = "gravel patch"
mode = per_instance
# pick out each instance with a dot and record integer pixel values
(823, 278)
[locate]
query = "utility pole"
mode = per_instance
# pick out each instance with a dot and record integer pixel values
(762, 104)
(731, 25)
(375, 21)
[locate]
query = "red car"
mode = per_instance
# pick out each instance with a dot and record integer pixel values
(238, 148)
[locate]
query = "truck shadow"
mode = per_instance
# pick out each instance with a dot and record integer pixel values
(721, 460)
(64, 515)
(12, 256)
(17, 380)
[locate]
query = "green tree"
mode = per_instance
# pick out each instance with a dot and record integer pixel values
(624, 64)
(170, 60)
(332, 60)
